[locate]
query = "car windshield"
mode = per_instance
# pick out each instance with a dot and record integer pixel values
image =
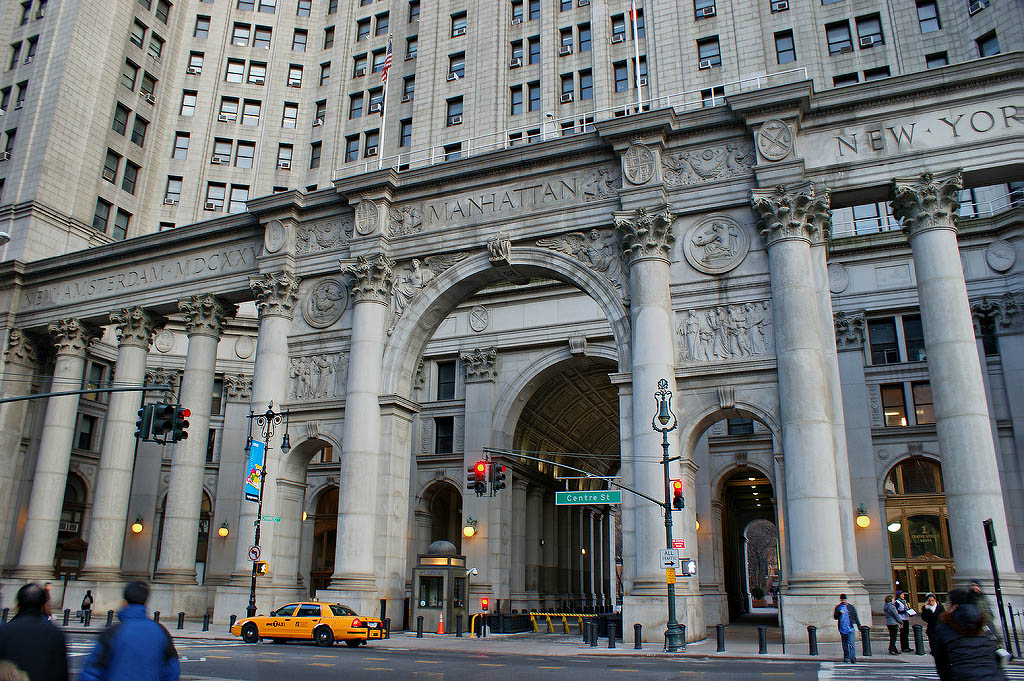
(286, 611)
(342, 611)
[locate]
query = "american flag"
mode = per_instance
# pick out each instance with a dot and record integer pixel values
(632, 11)
(387, 63)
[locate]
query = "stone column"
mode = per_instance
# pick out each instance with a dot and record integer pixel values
(928, 206)
(562, 553)
(71, 339)
(517, 577)
(135, 328)
(358, 495)
(230, 502)
(600, 547)
(588, 559)
(276, 295)
(204, 316)
(792, 218)
(534, 509)
(549, 533)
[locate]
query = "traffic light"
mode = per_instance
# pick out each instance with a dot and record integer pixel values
(179, 428)
(497, 478)
(485, 603)
(476, 480)
(163, 420)
(677, 494)
(262, 567)
(145, 422)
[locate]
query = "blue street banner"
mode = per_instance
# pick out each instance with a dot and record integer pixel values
(254, 471)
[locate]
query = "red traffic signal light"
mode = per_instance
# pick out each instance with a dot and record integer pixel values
(179, 431)
(476, 481)
(677, 494)
(485, 603)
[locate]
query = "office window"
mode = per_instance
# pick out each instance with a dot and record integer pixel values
(414, 10)
(882, 340)
(446, 380)
(267, 6)
(838, 36)
(408, 88)
(412, 47)
(19, 98)
(139, 131)
(304, 7)
(534, 46)
(713, 96)
(15, 55)
(381, 27)
(228, 109)
(928, 16)
(195, 62)
(517, 11)
(534, 9)
(517, 50)
(325, 73)
(702, 9)
(516, 97)
(894, 405)
(244, 153)
(101, 215)
(84, 431)
(913, 337)
(26, 10)
(250, 112)
(237, 198)
(320, 113)
(355, 106)
(458, 24)
(172, 195)
(844, 79)
(564, 5)
(405, 133)
(121, 112)
(246, 5)
(257, 73)
(444, 434)
(222, 150)
(130, 176)
(359, 63)
(33, 43)
(586, 84)
(641, 30)
(163, 10)
(290, 115)
(5, 100)
(565, 41)
(352, 148)
(156, 46)
(261, 37)
(137, 36)
(988, 45)
(129, 72)
(294, 75)
(328, 37)
(284, 156)
(111, 164)
(332, 6)
(299, 40)
(235, 71)
(148, 86)
(621, 76)
(457, 65)
(370, 142)
(708, 52)
(215, 193)
(740, 426)
(583, 32)
(618, 28)
(376, 99)
(869, 30)
(121, 220)
(935, 60)
(314, 154)
(240, 34)
(452, 152)
(568, 86)
(454, 111)
(202, 28)
(188, 103)
(785, 50)
(533, 92)
(924, 408)
(363, 29)
(876, 74)
(181, 142)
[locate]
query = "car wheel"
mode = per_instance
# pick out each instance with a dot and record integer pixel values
(324, 637)
(353, 643)
(250, 634)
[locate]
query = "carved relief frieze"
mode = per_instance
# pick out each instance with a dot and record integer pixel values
(478, 318)
(499, 250)
(875, 405)
(367, 216)
(325, 235)
(317, 377)
(716, 244)
(603, 183)
(849, 330)
(479, 365)
(598, 249)
(415, 275)
(726, 333)
(164, 376)
(238, 387)
(460, 434)
(325, 303)
(23, 347)
(404, 221)
(774, 140)
(426, 436)
(708, 164)
(1006, 311)
(419, 379)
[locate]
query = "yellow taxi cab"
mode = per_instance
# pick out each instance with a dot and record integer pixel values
(324, 623)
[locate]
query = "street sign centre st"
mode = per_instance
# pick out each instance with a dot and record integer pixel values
(585, 498)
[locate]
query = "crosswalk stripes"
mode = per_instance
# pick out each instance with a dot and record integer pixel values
(892, 672)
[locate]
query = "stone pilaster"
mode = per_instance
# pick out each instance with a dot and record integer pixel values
(928, 206)
(71, 339)
(534, 510)
(517, 575)
(205, 317)
(135, 328)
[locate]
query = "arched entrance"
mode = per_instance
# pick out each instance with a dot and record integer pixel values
(444, 512)
(71, 548)
(325, 537)
(918, 529)
(748, 538)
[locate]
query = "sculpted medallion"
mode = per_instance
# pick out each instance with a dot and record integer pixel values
(366, 217)
(478, 318)
(325, 304)
(838, 278)
(638, 163)
(716, 244)
(1000, 255)
(774, 140)
(274, 236)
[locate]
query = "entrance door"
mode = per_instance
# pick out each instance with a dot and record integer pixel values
(325, 537)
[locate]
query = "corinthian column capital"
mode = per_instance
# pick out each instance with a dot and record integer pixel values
(205, 315)
(479, 365)
(276, 294)
(927, 202)
(849, 330)
(793, 212)
(373, 278)
(72, 336)
(23, 348)
(646, 234)
(135, 326)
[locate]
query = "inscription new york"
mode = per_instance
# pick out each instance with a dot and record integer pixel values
(149, 276)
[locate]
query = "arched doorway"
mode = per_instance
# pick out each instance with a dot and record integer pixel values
(918, 529)
(444, 507)
(325, 537)
(202, 535)
(748, 536)
(71, 548)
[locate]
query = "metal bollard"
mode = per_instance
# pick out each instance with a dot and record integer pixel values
(88, 617)
(67, 616)
(638, 636)
(7, 613)
(865, 640)
(918, 639)
(419, 626)
(231, 623)
(720, 637)
(611, 634)
(181, 621)
(110, 618)
(593, 634)
(762, 639)
(1013, 625)
(458, 626)
(156, 617)
(206, 622)
(585, 631)
(683, 636)
(387, 627)
(812, 639)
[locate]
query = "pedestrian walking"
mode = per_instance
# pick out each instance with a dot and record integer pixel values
(135, 649)
(978, 598)
(30, 642)
(86, 605)
(846, 616)
(930, 613)
(963, 649)
(905, 611)
(48, 606)
(892, 623)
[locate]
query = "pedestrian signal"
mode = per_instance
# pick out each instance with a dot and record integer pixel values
(262, 567)
(163, 420)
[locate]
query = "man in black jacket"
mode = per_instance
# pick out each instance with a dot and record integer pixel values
(963, 649)
(31, 641)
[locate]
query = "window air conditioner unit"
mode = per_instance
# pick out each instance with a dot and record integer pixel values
(406, 98)
(618, 38)
(18, 104)
(294, 83)
(582, 3)
(517, 20)
(216, 160)
(564, 50)
(225, 118)
(455, 120)
(566, 97)
(108, 174)
(5, 156)
(409, 56)
(376, 106)
(844, 49)
(210, 205)
(40, 13)
(28, 59)
(150, 98)
(318, 122)
(192, 71)
(284, 165)
(975, 7)
(708, 11)
(363, 36)
(256, 81)
(358, 73)
(170, 202)
(155, 57)
(453, 75)
(456, 32)
(780, 6)
(371, 151)
(515, 63)
(643, 81)
(704, 64)
(869, 40)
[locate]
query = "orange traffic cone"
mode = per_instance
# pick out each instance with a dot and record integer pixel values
(440, 624)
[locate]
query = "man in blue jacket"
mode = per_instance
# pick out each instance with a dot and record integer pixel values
(846, 616)
(136, 649)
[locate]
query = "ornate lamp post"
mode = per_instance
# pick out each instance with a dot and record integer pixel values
(266, 422)
(674, 641)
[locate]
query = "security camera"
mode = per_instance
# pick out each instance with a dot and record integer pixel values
(474, 571)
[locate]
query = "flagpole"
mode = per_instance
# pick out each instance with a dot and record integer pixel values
(636, 55)
(385, 79)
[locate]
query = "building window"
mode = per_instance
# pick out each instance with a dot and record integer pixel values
(332, 6)
(412, 47)
(565, 40)
(148, 85)
(195, 62)
(924, 409)
(928, 16)
(405, 133)
(640, 25)
(446, 380)
(240, 34)
(202, 29)
(363, 29)
(869, 30)
(251, 112)
(239, 195)
(894, 405)
(222, 150)
(111, 164)
(517, 11)
(84, 432)
(137, 36)
(935, 60)
(882, 339)
(913, 337)
(516, 97)
(284, 156)
(121, 220)
(261, 37)
(128, 75)
(257, 73)
(244, 153)
(702, 9)
(785, 50)
(215, 192)
(246, 5)
(235, 71)
(708, 52)
(988, 45)
(268, 6)
(534, 12)
(294, 75)
(381, 27)
(453, 152)
(568, 86)
(444, 434)
(328, 37)
(408, 88)
(844, 79)
(314, 155)
(838, 36)
(228, 109)
(713, 96)
(533, 92)
(414, 10)
(121, 112)
(101, 216)
(172, 194)
(370, 143)
(586, 84)
(359, 66)
(130, 177)
(188, 103)
(139, 131)
(15, 55)
(740, 426)
(355, 106)
(564, 5)
(621, 76)
(304, 7)
(534, 46)
(458, 24)
(583, 33)
(376, 99)
(457, 66)
(320, 113)
(352, 148)
(454, 111)
(876, 74)
(156, 46)
(290, 115)
(299, 39)
(163, 10)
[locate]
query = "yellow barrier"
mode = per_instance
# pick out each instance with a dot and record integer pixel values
(472, 629)
(565, 620)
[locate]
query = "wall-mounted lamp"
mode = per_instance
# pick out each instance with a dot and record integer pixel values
(583, 552)
(137, 525)
(304, 516)
(470, 529)
(541, 542)
(696, 522)
(223, 531)
(894, 526)
(862, 517)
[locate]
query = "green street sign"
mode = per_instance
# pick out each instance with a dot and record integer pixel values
(585, 498)
(271, 518)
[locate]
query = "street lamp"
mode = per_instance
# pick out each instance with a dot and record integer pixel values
(674, 641)
(266, 422)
